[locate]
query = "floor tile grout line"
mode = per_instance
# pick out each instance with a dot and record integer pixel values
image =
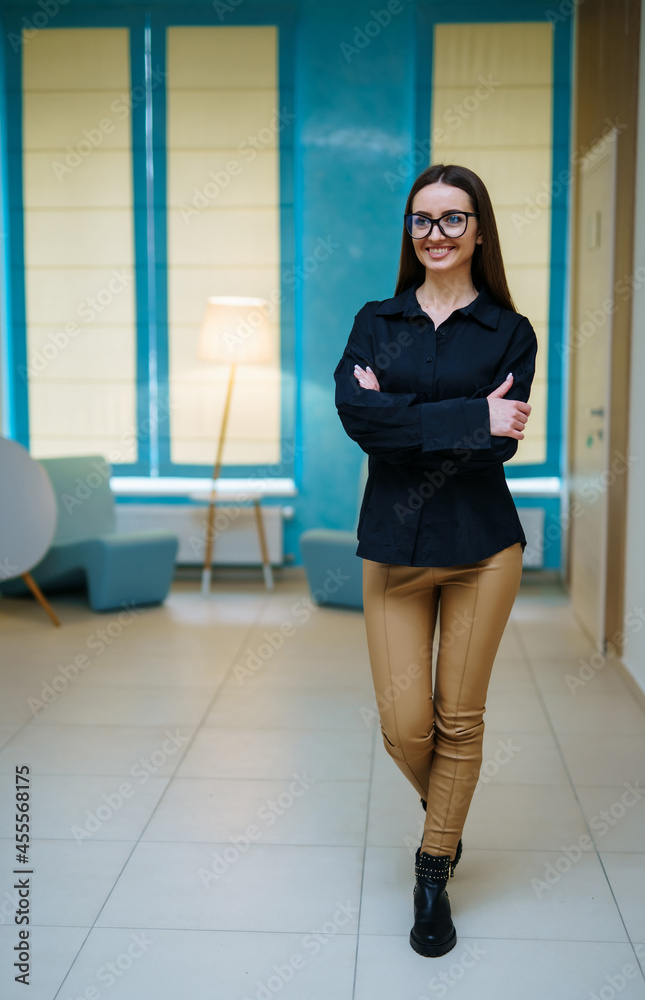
(32, 719)
(346, 934)
(285, 777)
(574, 790)
(224, 777)
(378, 847)
(362, 882)
(198, 777)
(136, 843)
(83, 622)
(199, 723)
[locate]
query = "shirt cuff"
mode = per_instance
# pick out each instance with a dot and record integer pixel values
(455, 423)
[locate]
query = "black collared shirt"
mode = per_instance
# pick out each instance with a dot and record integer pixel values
(436, 493)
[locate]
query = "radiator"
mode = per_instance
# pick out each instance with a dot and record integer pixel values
(532, 520)
(236, 540)
(237, 543)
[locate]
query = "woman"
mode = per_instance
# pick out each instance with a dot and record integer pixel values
(434, 386)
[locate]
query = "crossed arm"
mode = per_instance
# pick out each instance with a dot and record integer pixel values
(474, 433)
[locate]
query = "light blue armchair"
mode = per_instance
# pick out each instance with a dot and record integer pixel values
(118, 569)
(326, 551)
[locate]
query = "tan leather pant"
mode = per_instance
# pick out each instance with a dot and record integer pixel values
(437, 741)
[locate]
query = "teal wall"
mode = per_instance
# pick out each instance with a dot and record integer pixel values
(356, 121)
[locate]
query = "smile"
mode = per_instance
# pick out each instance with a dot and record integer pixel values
(439, 251)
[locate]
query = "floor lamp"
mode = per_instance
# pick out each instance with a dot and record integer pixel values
(233, 331)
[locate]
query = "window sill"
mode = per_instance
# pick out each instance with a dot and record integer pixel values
(539, 486)
(184, 486)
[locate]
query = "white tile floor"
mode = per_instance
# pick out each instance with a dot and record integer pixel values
(215, 816)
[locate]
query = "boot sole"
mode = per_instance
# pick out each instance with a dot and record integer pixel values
(433, 950)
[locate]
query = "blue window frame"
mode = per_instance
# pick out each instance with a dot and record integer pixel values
(147, 27)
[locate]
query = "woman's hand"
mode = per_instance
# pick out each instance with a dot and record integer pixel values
(366, 378)
(507, 416)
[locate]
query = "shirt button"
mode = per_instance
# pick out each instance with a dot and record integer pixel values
(425, 395)
(428, 359)
(414, 502)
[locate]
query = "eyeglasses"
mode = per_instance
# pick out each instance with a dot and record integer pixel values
(451, 224)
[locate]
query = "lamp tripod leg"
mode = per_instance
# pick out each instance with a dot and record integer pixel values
(264, 549)
(208, 556)
(210, 525)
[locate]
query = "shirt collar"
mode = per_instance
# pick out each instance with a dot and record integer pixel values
(484, 307)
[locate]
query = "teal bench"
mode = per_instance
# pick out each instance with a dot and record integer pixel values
(326, 551)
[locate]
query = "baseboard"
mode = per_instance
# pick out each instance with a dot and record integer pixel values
(630, 681)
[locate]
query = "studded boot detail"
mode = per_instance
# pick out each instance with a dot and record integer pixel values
(433, 933)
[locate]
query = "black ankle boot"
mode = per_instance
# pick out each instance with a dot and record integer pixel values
(433, 933)
(460, 846)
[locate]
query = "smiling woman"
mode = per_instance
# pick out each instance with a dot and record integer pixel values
(438, 416)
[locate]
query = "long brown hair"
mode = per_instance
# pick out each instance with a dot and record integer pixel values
(487, 266)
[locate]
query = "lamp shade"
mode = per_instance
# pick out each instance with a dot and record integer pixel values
(235, 329)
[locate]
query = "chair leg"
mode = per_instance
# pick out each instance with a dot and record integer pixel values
(264, 550)
(40, 597)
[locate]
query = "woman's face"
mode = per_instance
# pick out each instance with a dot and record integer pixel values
(439, 253)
